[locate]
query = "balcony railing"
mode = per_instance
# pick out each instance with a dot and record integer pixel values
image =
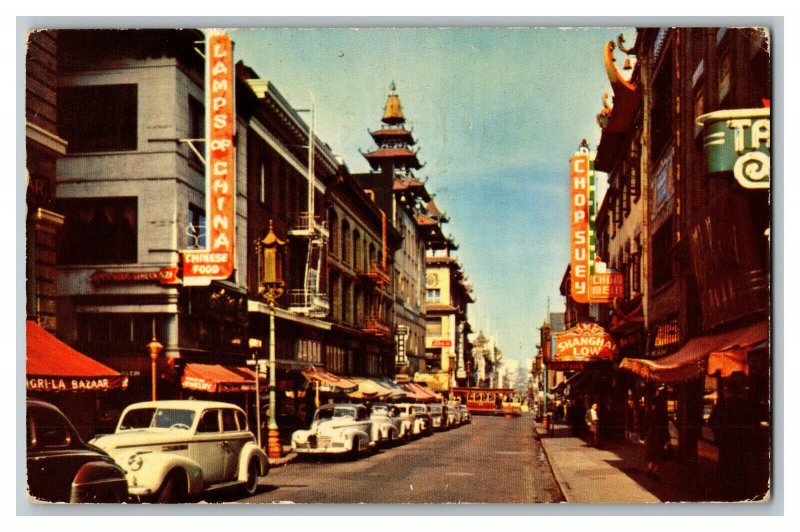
(310, 226)
(377, 274)
(309, 303)
(375, 326)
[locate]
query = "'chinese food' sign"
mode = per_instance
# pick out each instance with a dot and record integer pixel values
(200, 267)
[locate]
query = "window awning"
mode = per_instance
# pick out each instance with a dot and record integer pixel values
(415, 394)
(425, 393)
(53, 366)
(724, 352)
(328, 382)
(370, 389)
(397, 392)
(215, 378)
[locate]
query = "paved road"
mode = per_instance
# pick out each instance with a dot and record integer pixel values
(492, 460)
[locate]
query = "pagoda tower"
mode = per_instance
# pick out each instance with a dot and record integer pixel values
(395, 144)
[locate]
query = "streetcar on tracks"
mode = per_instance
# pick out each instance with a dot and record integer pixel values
(489, 401)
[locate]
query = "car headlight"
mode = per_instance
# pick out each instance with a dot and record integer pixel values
(135, 462)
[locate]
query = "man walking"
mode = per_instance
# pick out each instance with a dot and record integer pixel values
(592, 421)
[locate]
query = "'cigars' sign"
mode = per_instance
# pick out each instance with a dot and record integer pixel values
(200, 267)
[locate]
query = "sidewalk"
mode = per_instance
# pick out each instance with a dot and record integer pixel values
(614, 473)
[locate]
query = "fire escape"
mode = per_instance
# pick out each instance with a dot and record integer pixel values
(310, 300)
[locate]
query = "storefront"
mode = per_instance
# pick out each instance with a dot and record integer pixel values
(77, 384)
(718, 387)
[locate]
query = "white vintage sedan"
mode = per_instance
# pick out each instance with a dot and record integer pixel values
(386, 423)
(172, 449)
(412, 425)
(337, 428)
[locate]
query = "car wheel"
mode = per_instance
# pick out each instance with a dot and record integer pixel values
(253, 472)
(174, 490)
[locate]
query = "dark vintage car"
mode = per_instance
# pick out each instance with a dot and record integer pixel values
(62, 467)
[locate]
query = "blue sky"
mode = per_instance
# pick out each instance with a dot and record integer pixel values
(497, 112)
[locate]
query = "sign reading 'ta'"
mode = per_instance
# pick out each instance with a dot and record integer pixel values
(738, 141)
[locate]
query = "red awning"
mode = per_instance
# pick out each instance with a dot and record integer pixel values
(328, 382)
(415, 394)
(426, 393)
(214, 378)
(53, 366)
(694, 359)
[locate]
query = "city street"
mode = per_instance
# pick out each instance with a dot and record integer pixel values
(492, 460)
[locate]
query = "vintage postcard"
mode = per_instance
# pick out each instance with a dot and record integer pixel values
(398, 266)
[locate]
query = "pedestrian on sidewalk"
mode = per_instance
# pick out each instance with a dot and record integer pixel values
(593, 422)
(657, 434)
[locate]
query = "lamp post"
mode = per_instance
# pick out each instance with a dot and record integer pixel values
(255, 347)
(155, 348)
(272, 288)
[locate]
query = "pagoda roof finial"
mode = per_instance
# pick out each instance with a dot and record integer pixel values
(393, 113)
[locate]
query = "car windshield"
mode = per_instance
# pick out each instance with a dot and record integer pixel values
(345, 412)
(324, 413)
(419, 409)
(436, 409)
(142, 418)
(380, 410)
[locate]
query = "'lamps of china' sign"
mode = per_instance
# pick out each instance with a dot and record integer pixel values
(738, 141)
(200, 267)
(590, 282)
(586, 342)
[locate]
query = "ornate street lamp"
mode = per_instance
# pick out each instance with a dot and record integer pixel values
(155, 348)
(272, 288)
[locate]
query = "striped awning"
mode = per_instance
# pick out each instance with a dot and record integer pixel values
(724, 352)
(216, 378)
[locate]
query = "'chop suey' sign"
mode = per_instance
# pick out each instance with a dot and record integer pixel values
(200, 267)
(590, 283)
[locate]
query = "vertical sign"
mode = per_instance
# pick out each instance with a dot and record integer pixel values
(200, 267)
(579, 226)
(591, 283)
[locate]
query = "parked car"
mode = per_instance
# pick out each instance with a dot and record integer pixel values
(386, 423)
(337, 428)
(422, 413)
(413, 424)
(453, 414)
(438, 414)
(173, 449)
(64, 468)
(466, 417)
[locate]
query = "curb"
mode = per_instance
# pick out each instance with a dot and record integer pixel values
(562, 484)
(283, 460)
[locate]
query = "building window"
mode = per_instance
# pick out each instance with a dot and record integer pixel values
(662, 112)
(98, 118)
(636, 271)
(196, 232)
(262, 183)
(117, 333)
(699, 109)
(433, 327)
(433, 295)
(333, 228)
(345, 237)
(662, 260)
(724, 77)
(98, 231)
(309, 351)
